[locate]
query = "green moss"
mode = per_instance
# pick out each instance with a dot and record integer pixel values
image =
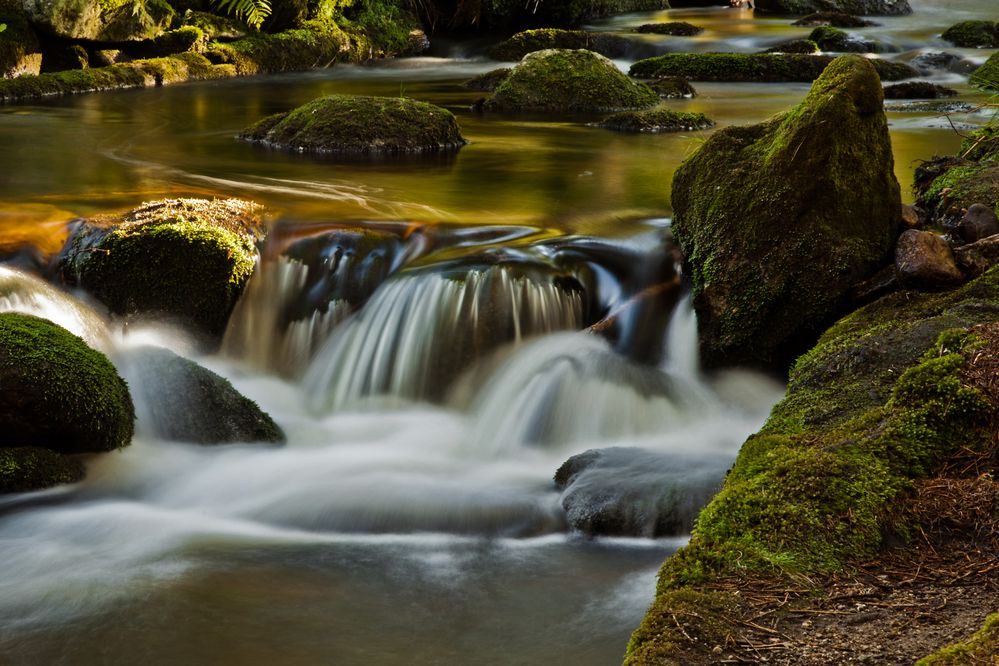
(215, 27)
(185, 38)
(569, 80)
(760, 67)
(656, 121)
(25, 469)
(987, 75)
(979, 648)
(682, 620)
(529, 41)
(805, 46)
(349, 124)
(58, 393)
(974, 34)
(834, 39)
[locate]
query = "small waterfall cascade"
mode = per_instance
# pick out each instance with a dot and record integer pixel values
(421, 330)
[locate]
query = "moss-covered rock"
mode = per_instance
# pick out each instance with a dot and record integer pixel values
(20, 52)
(974, 34)
(759, 67)
(359, 125)
(835, 19)
(918, 90)
(186, 260)
(529, 41)
(987, 76)
(28, 468)
(574, 80)
(946, 187)
(672, 88)
(656, 121)
(675, 28)
(221, 28)
(58, 393)
(778, 221)
(855, 7)
(834, 39)
(489, 81)
(180, 400)
(805, 46)
(979, 648)
(106, 21)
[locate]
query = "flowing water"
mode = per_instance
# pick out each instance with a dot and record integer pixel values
(417, 328)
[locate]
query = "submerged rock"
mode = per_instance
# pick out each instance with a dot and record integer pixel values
(529, 41)
(924, 260)
(834, 39)
(185, 260)
(856, 7)
(974, 34)
(58, 393)
(28, 468)
(834, 19)
(672, 88)
(656, 121)
(759, 67)
(636, 492)
(918, 90)
(675, 28)
(569, 80)
(360, 125)
(489, 81)
(180, 400)
(778, 221)
(929, 63)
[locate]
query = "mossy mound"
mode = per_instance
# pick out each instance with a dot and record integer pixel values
(834, 39)
(656, 121)
(854, 7)
(529, 41)
(918, 90)
(805, 46)
(675, 28)
(359, 125)
(835, 19)
(186, 260)
(987, 76)
(489, 81)
(778, 221)
(979, 648)
(974, 34)
(182, 401)
(574, 80)
(759, 67)
(58, 393)
(20, 52)
(884, 399)
(946, 187)
(672, 88)
(28, 468)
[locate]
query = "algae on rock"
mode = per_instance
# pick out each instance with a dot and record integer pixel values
(779, 221)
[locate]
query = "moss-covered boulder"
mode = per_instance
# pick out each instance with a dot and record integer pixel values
(805, 46)
(358, 125)
(20, 52)
(778, 221)
(987, 76)
(758, 67)
(569, 80)
(185, 260)
(834, 39)
(979, 648)
(855, 7)
(27, 468)
(106, 21)
(675, 28)
(181, 401)
(918, 90)
(529, 41)
(835, 19)
(946, 187)
(656, 121)
(489, 81)
(974, 34)
(56, 392)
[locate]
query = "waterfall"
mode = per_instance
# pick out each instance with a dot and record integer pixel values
(682, 353)
(421, 330)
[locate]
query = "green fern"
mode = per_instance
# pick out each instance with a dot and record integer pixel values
(253, 12)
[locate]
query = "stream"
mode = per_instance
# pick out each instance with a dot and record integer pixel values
(428, 395)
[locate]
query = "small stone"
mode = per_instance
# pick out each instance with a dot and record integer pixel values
(978, 223)
(717, 649)
(910, 217)
(925, 261)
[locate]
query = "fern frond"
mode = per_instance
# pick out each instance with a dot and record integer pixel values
(253, 12)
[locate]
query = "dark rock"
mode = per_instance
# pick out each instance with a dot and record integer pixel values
(929, 63)
(936, 107)
(806, 46)
(925, 261)
(181, 401)
(529, 41)
(20, 51)
(28, 468)
(759, 67)
(917, 90)
(855, 7)
(978, 257)
(835, 19)
(675, 28)
(561, 81)
(978, 223)
(834, 39)
(656, 121)
(185, 260)
(489, 81)
(635, 492)
(359, 125)
(286, 14)
(974, 34)
(672, 88)
(58, 393)
(773, 251)
(65, 58)
(883, 282)
(911, 218)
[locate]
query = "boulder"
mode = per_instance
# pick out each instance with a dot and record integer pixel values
(778, 221)
(924, 261)
(112, 21)
(569, 80)
(181, 401)
(978, 257)
(359, 125)
(758, 67)
(489, 81)
(987, 76)
(672, 88)
(58, 393)
(185, 260)
(656, 121)
(834, 19)
(20, 52)
(675, 28)
(918, 90)
(978, 223)
(834, 39)
(529, 41)
(28, 468)
(930, 63)
(974, 34)
(855, 7)
(805, 46)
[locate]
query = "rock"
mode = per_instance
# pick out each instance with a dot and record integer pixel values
(20, 52)
(186, 260)
(28, 468)
(125, 23)
(936, 107)
(924, 260)
(359, 125)
(759, 67)
(672, 88)
(835, 19)
(58, 393)
(974, 34)
(987, 76)
(564, 81)
(489, 81)
(635, 492)
(910, 217)
(978, 223)
(918, 90)
(529, 41)
(181, 401)
(978, 257)
(656, 121)
(855, 7)
(100, 21)
(929, 63)
(946, 187)
(834, 39)
(772, 250)
(675, 28)
(806, 46)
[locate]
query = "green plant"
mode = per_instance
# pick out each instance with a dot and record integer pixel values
(253, 12)
(3, 26)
